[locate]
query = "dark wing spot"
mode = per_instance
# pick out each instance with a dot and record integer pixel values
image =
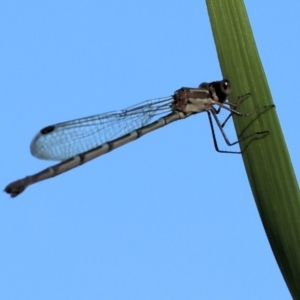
(47, 129)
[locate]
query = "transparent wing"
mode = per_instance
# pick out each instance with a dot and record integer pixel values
(64, 140)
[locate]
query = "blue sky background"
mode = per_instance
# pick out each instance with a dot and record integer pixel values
(164, 217)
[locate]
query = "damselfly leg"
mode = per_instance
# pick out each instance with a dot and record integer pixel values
(232, 107)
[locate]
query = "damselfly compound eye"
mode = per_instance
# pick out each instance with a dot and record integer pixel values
(225, 86)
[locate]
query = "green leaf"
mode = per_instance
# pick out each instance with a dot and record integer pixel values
(267, 162)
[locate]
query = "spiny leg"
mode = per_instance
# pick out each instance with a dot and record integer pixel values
(219, 124)
(240, 100)
(237, 113)
(223, 134)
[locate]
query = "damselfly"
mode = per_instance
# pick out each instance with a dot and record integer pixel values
(79, 141)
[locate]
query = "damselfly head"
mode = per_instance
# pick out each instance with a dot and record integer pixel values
(219, 90)
(221, 87)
